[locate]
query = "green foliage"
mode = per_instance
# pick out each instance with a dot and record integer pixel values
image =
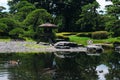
(3, 27)
(116, 28)
(29, 34)
(37, 17)
(88, 18)
(80, 40)
(33, 20)
(114, 9)
(23, 9)
(69, 15)
(112, 25)
(7, 25)
(113, 13)
(83, 40)
(16, 32)
(100, 35)
(11, 23)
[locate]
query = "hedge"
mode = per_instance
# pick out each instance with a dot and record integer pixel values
(100, 35)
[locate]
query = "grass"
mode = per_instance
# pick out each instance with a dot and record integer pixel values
(80, 40)
(83, 40)
(35, 46)
(5, 40)
(109, 40)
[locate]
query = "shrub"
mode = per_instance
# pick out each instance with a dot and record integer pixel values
(100, 35)
(15, 33)
(83, 34)
(66, 38)
(68, 34)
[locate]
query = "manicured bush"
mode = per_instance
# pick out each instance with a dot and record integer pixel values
(66, 38)
(68, 34)
(100, 35)
(83, 34)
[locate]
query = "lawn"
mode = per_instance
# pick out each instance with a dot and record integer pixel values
(80, 40)
(83, 40)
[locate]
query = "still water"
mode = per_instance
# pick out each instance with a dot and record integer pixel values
(46, 66)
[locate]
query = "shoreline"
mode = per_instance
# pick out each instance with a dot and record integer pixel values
(33, 47)
(23, 47)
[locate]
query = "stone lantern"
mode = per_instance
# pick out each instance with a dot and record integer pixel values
(47, 34)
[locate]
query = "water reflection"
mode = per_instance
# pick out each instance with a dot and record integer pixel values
(46, 66)
(3, 72)
(102, 70)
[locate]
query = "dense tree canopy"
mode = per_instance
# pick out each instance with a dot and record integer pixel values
(58, 8)
(34, 19)
(113, 13)
(69, 15)
(89, 17)
(6, 25)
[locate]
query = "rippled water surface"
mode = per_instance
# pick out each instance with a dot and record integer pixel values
(46, 66)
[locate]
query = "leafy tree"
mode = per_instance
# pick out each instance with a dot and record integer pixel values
(113, 13)
(37, 17)
(23, 8)
(3, 14)
(29, 34)
(9, 24)
(12, 4)
(88, 20)
(16, 32)
(3, 28)
(33, 20)
(69, 9)
(114, 9)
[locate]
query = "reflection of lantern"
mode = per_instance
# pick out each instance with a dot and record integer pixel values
(48, 34)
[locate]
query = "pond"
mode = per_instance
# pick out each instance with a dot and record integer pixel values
(46, 66)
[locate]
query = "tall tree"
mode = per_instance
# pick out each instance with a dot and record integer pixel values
(34, 19)
(114, 9)
(88, 20)
(22, 9)
(69, 9)
(113, 12)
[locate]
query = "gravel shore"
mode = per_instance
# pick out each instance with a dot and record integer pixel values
(24, 46)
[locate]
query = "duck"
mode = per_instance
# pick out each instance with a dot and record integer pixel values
(14, 62)
(11, 63)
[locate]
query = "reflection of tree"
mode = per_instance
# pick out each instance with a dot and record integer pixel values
(114, 67)
(31, 66)
(25, 70)
(82, 67)
(87, 64)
